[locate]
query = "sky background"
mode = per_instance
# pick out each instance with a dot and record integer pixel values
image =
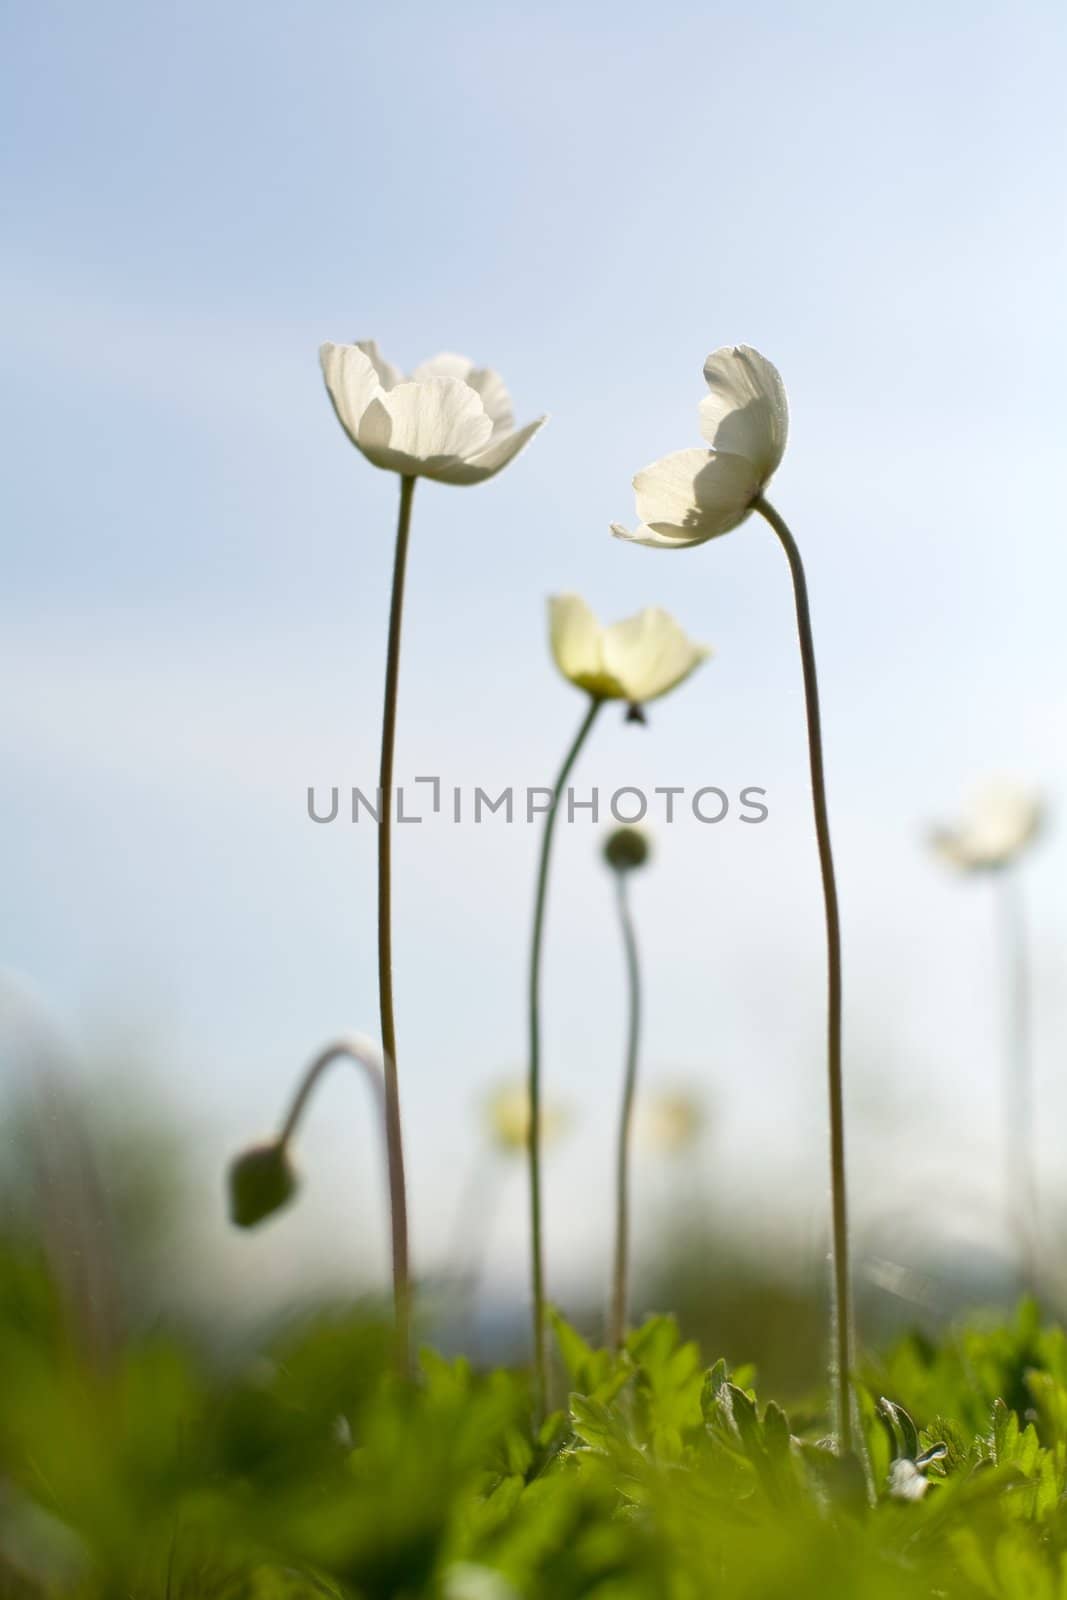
(588, 198)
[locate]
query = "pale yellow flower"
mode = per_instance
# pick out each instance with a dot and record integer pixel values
(636, 660)
(450, 420)
(508, 1118)
(671, 1121)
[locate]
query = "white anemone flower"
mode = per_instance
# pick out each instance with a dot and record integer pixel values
(450, 420)
(998, 824)
(637, 660)
(695, 495)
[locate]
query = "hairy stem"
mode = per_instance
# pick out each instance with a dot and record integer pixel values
(621, 1274)
(842, 1333)
(536, 1238)
(394, 1142)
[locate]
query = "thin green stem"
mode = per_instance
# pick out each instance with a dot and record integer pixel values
(621, 1274)
(536, 1238)
(394, 1141)
(842, 1336)
(355, 1050)
(1018, 1087)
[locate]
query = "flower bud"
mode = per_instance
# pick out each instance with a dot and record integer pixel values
(626, 848)
(261, 1181)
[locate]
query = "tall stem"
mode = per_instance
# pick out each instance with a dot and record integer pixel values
(621, 1275)
(839, 1203)
(1018, 1086)
(394, 1142)
(536, 1240)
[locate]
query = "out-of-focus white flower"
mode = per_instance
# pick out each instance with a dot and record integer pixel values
(465, 1581)
(670, 1121)
(1000, 821)
(694, 495)
(508, 1118)
(636, 660)
(450, 420)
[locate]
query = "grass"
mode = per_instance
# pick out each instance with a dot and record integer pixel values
(308, 1468)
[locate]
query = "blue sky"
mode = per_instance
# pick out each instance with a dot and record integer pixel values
(196, 562)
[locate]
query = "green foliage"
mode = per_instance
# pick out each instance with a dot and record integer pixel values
(314, 1471)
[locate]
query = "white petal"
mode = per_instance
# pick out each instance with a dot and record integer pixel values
(650, 654)
(746, 413)
(495, 398)
(445, 365)
(643, 534)
(488, 462)
(695, 495)
(424, 428)
(575, 636)
(351, 382)
(388, 375)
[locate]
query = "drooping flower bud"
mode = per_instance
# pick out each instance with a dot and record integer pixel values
(261, 1181)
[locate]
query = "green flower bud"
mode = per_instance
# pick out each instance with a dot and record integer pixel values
(626, 848)
(261, 1181)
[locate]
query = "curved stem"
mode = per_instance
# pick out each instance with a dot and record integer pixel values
(536, 1242)
(358, 1050)
(620, 1278)
(842, 1288)
(1018, 1087)
(394, 1141)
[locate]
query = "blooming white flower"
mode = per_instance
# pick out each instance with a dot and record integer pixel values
(1000, 821)
(450, 420)
(696, 494)
(636, 660)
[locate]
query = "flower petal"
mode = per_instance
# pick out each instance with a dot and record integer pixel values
(388, 375)
(746, 413)
(577, 647)
(496, 455)
(495, 398)
(444, 365)
(643, 534)
(650, 654)
(424, 428)
(351, 382)
(575, 636)
(694, 495)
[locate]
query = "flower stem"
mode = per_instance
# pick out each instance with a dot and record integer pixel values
(620, 1277)
(536, 1240)
(842, 1331)
(394, 1141)
(363, 1055)
(1018, 1088)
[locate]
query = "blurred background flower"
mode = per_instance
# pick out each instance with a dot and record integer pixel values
(1001, 819)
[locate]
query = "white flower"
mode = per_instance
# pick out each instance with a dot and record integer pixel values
(1001, 820)
(450, 420)
(695, 495)
(508, 1118)
(670, 1122)
(636, 660)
